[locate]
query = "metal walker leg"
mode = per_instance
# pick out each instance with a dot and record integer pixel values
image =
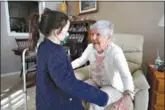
(24, 78)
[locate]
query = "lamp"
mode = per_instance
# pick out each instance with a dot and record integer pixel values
(63, 7)
(158, 61)
(161, 22)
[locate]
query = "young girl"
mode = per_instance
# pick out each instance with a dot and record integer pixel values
(56, 85)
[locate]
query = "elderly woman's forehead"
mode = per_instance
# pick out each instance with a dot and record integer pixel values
(95, 30)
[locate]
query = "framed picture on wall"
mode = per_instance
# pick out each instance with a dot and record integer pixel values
(86, 7)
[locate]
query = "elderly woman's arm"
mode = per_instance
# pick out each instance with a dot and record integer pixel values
(83, 59)
(122, 66)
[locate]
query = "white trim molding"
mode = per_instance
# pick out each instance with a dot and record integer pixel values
(10, 74)
(20, 35)
(161, 22)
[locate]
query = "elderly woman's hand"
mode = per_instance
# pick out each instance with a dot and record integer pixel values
(124, 102)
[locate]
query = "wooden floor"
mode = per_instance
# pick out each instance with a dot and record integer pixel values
(12, 96)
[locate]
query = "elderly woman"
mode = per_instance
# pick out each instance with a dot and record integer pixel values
(108, 67)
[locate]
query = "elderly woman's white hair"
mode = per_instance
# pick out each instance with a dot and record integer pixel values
(105, 27)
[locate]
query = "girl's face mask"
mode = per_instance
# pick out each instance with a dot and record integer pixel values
(63, 36)
(65, 40)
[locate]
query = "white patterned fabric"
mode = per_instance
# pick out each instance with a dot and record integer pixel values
(97, 71)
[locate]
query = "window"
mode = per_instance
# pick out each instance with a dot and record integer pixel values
(17, 14)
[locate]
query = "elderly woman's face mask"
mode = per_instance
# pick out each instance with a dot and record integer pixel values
(99, 41)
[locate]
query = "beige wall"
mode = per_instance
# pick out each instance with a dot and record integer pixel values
(133, 17)
(9, 61)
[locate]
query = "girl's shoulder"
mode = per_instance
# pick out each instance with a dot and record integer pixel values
(49, 48)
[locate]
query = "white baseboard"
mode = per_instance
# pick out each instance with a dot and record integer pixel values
(10, 74)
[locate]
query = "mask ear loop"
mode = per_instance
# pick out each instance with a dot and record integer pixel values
(58, 32)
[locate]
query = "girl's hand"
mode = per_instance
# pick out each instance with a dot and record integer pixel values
(123, 103)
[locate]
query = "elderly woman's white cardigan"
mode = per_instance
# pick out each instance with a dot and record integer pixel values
(115, 63)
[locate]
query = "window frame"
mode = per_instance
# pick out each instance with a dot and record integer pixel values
(41, 6)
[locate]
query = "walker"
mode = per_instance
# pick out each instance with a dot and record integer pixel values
(30, 69)
(24, 78)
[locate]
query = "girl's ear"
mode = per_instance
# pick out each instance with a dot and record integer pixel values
(56, 32)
